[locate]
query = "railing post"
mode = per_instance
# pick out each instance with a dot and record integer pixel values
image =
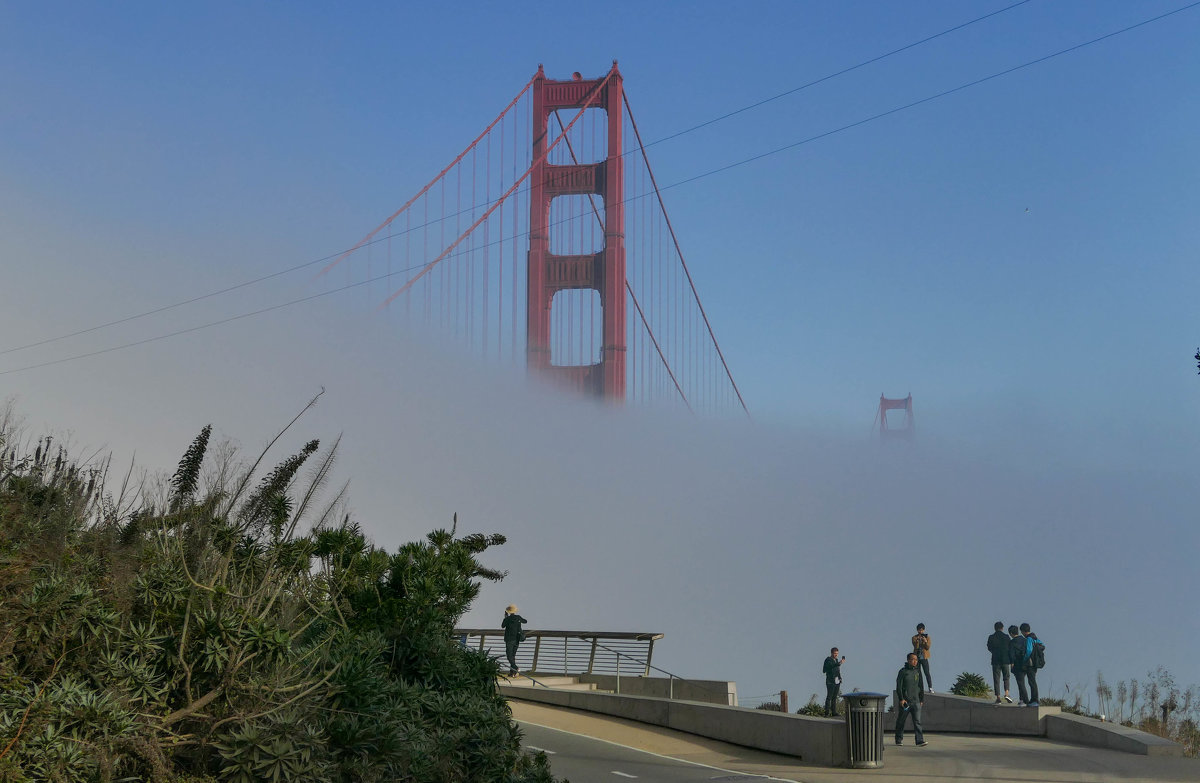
(482, 639)
(671, 686)
(618, 673)
(649, 655)
(537, 646)
(564, 656)
(592, 657)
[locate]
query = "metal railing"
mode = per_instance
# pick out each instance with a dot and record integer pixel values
(594, 653)
(568, 652)
(725, 696)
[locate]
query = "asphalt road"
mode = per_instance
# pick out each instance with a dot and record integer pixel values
(588, 748)
(583, 759)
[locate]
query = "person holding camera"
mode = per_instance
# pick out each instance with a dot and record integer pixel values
(920, 643)
(833, 680)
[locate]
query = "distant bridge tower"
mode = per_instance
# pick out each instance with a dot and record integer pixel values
(905, 431)
(603, 271)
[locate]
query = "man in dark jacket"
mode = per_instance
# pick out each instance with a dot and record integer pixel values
(833, 680)
(910, 697)
(1016, 654)
(997, 645)
(1028, 667)
(513, 635)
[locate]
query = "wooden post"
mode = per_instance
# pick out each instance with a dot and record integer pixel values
(783, 705)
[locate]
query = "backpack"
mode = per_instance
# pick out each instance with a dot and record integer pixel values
(1037, 659)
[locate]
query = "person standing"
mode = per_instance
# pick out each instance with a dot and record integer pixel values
(513, 636)
(1016, 655)
(833, 680)
(1033, 660)
(997, 645)
(920, 643)
(910, 697)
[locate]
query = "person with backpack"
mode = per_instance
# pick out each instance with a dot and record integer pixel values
(1035, 658)
(921, 643)
(833, 680)
(513, 636)
(997, 645)
(1016, 654)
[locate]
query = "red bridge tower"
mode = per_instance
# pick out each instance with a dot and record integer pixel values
(604, 271)
(906, 430)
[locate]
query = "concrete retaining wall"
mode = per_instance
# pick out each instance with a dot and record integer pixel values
(707, 691)
(946, 712)
(814, 740)
(1079, 730)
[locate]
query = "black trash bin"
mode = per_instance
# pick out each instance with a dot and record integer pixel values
(864, 729)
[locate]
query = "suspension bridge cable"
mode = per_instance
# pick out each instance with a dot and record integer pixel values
(432, 182)
(679, 183)
(591, 98)
(637, 305)
(836, 74)
(682, 262)
(934, 97)
(367, 241)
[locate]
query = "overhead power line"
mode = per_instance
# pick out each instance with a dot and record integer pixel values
(836, 74)
(933, 97)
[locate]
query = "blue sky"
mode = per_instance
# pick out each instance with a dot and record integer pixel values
(1020, 256)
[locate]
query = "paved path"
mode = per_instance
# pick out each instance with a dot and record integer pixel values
(948, 758)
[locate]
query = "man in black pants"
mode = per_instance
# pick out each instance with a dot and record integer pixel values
(997, 645)
(833, 680)
(1016, 653)
(910, 697)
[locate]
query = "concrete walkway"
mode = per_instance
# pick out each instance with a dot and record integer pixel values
(948, 757)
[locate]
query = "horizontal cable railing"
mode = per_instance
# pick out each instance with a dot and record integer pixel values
(603, 654)
(570, 652)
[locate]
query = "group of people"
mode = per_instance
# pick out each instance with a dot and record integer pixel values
(1018, 653)
(921, 642)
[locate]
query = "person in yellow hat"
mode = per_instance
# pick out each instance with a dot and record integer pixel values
(513, 636)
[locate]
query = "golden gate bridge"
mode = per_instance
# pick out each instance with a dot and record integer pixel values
(547, 240)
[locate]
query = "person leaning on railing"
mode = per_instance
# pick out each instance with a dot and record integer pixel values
(513, 636)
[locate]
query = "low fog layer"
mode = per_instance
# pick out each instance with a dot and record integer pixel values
(752, 547)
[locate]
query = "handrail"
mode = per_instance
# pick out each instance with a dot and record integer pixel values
(672, 676)
(567, 658)
(583, 653)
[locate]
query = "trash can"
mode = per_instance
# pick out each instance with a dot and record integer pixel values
(864, 729)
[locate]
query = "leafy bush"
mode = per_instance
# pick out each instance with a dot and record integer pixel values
(195, 633)
(813, 708)
(969, 684)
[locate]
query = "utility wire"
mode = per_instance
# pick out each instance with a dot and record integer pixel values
(168, 307)
(934, 97)
(842, 72)
(370, 242)
(751, 159)
(211, 324)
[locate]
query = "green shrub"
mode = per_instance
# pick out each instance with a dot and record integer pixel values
(969, 684)
(235, 631)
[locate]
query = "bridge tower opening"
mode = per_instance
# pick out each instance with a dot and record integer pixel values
(907, 429)
(602, 271)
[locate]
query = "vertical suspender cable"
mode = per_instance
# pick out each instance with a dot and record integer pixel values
(683, 263)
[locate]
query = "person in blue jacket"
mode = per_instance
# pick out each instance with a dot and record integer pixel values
(1028, 671)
